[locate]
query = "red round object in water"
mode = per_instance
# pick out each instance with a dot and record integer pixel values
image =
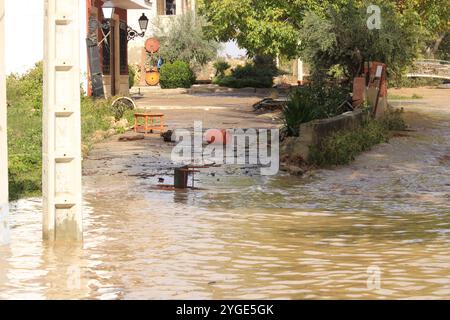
(215, 136)
(152, 45)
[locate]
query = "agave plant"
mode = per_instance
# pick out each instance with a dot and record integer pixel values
(301, 107)
(317, 101)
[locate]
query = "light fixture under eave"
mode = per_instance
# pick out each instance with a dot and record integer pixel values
(108, 9)
(143, 23)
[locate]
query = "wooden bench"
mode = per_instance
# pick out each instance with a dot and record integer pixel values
(149, 122)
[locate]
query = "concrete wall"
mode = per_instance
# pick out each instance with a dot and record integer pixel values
(4, 230)
(313, 133)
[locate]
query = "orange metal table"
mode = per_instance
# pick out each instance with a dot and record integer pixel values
(149, 122)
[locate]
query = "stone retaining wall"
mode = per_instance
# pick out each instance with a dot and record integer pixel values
(314, 132)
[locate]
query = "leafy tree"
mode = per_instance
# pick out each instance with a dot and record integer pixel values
(331, 30)
(435, 18)
(444, 49)
(26, 89)
(341, 37)
(262, 27)
(184, 40)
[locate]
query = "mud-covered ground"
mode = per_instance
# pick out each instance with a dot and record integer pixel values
(150, 158)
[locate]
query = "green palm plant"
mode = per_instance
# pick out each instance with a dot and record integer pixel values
(301, 107)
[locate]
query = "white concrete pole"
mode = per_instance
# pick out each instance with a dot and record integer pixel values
(4, 228)
(61, 122)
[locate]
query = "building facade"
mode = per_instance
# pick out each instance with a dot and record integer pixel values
(109, 48)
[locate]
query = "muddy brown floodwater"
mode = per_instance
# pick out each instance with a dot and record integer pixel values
(379, 228)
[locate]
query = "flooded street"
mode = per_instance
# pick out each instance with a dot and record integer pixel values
(378, 228)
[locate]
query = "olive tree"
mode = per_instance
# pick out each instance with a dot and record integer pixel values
(185, 40)
(342, 38)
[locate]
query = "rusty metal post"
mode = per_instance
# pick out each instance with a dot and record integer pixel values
(181, 178)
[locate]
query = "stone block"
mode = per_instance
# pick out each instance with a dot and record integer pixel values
(315, 132)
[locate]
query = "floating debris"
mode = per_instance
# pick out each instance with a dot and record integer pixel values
(131, 138)
(269, 104)
(167, 136)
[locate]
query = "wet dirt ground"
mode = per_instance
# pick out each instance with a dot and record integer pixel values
(378, 228)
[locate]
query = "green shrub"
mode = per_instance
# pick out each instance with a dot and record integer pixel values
(221, 67)
(251, 70)
(233, 82)
(26, 89)
(310, 103)
(25, 151)
(249, 75)
(301, 107)
(95, 115)
(24, 93)
(176, 75)
(343, 146)
(393, 120)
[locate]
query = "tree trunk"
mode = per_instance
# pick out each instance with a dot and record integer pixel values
(438, 43)
(432, 50)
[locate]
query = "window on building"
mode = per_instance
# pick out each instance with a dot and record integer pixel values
(171, 7)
